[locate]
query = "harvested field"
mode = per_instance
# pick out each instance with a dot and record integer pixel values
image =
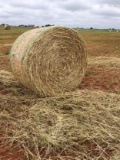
(103, 73)
(79, 125)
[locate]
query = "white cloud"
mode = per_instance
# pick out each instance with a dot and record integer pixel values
(106, 10)
(73, 13)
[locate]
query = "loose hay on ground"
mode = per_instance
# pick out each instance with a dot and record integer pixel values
(7, 78)
(75, 125)
(49, 60)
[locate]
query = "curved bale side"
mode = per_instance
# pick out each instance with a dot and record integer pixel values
(49, 60)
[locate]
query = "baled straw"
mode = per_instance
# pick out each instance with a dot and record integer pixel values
(7, 27)
(49, 60)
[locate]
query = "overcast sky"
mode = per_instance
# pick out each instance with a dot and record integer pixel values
(71, 13)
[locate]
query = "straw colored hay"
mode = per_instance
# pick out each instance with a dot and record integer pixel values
(7, 78)
(105, 61)
(7, 27)
(80, 125)
(49, 60)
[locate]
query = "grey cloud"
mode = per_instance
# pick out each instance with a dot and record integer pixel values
(74, 5)
(106, 10)
(110, 2)
(30, 6)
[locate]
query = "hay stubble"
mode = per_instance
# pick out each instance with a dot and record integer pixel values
(80, 125)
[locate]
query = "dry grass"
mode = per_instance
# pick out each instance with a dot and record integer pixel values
(103, 73)
(102, 42)
(49, 60)
(105, 61)
(77, 125)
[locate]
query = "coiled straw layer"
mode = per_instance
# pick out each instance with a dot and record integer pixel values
(49, 60)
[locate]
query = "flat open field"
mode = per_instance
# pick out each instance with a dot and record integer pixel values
(80, 125)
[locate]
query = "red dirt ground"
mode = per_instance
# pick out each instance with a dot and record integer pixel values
(101, 78)
(12, 154)
(91, 149)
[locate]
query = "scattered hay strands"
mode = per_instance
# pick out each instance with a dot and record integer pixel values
(7, 78)
(10, 86)
(49, 60)
(76, 125)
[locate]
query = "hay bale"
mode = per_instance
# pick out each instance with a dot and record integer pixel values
(7, 27)
(49, 60)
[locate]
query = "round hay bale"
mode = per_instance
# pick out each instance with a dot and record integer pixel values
(49, 60)
(7, 27)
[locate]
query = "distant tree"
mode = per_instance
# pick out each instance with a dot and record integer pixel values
(21, 25)
(31, 25)
(47, 25)
(91, 27)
